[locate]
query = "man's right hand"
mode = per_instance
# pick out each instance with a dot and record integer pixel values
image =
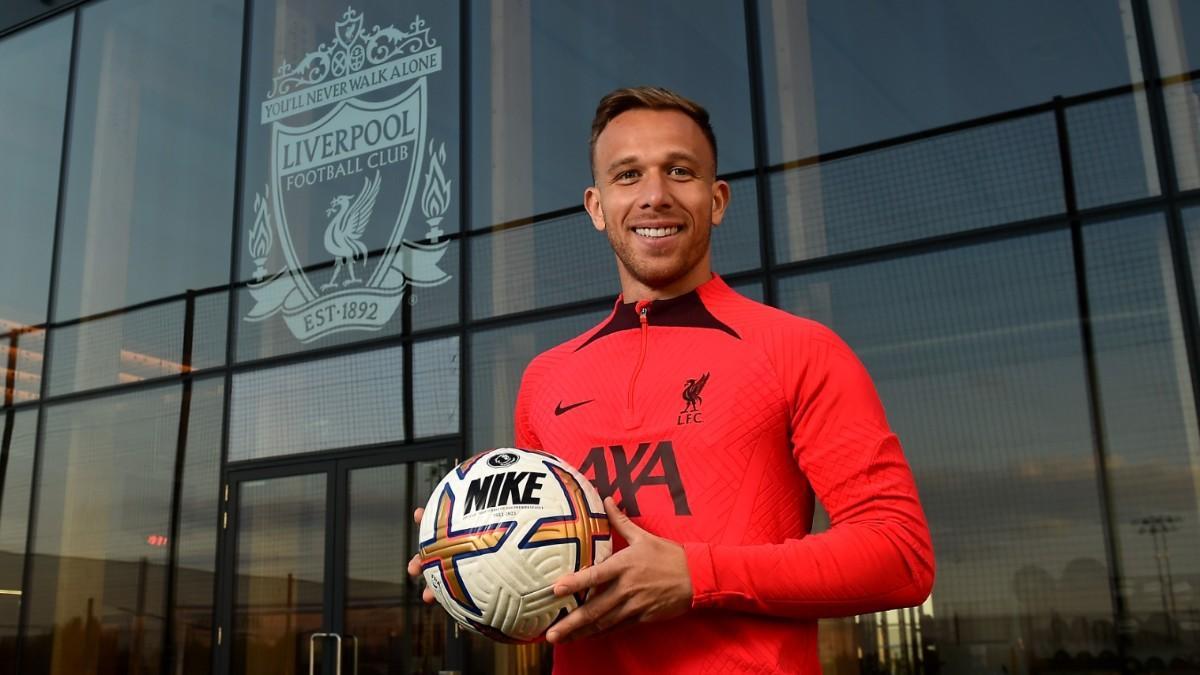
(414, 565)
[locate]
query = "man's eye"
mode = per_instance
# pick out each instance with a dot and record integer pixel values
(627, 176)
(679, 171)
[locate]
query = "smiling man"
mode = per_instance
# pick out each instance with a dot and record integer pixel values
(710, 422)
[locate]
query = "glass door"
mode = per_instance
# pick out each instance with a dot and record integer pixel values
(281, 526)
(314, 578)
(385, 628)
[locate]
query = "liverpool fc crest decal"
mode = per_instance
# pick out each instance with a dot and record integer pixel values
(351, 168)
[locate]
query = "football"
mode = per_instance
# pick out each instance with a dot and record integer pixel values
(499, 529)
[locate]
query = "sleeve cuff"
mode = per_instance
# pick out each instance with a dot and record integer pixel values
(702, 574)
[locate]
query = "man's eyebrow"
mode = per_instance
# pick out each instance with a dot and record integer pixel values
(624, 161)
(678, 155)
(671, 157)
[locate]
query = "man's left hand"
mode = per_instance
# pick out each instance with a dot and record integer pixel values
(647, 581)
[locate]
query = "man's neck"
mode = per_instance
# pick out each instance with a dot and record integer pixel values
(634, 291)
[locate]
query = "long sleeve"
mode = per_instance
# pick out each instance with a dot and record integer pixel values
(877, 552)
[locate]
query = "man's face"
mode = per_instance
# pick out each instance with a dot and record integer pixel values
(657, 199)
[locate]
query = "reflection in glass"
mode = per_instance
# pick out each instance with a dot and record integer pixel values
(98, 585)
(387, 627)
(977, 357)
(983, 176)
(153, 142)
(1151, 439)
(498, 358)
(541, 84)
(171, 338)
(837, 77)
(1182, 102)
(25, 373)
(34, 82)
(17, 433)
(279, 582)
(198, 501)
(337, 402)
(1176, 27)
(352, 182)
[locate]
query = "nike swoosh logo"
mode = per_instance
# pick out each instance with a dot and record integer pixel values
(560, 409)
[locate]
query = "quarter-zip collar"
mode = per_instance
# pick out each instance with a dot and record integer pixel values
(687, 310)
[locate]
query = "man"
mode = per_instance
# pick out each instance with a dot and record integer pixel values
(713, 420)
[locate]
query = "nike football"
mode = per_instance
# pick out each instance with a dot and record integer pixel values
(499, 530)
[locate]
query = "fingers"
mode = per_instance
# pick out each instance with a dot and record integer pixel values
(621, 522)
(593, 616)
(589, 577)
(414, 571)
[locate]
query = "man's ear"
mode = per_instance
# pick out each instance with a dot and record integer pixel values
(591, 202)
(720, 201)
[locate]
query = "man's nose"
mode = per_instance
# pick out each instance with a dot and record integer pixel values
(656, 191)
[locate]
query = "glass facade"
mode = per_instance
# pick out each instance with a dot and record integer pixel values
(269, 267)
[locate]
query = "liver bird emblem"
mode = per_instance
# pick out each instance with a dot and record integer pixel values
(691, 394)
(343, 235)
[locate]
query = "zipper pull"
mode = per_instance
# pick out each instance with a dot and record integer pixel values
(643, 310)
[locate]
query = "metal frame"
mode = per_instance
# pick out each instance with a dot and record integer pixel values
(1170, 202)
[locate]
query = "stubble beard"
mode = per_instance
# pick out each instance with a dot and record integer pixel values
(652, 275)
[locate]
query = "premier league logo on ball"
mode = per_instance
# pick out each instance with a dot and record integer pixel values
(355, 165)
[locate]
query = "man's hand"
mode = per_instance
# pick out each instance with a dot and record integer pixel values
(648, 581)
(414, 565)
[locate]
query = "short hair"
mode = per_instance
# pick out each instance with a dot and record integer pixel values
(647, 98)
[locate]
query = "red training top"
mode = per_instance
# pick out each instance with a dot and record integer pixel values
(713, 420)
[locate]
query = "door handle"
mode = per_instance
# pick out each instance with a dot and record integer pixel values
(312, 649)
(355, 642)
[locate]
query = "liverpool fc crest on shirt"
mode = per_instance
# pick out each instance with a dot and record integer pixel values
(350, 168)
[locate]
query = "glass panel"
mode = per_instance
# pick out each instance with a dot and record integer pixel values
(976, 355)
(97, 592)
(564, 259)
(34, 82)
(352, 177)
(436, 387)
(541, 82)
(153, 145)
(1112, 150)
(280, 576)
(19, 431)
(338, 402)
(142, 344)
(983, 176)
(199, 501)
(1182, 102)
(750, 289)
(837, 77)
(1176, 27)
(393, 631)
(548, 263)
(498, 358)
(1150, 432)
(23, 367)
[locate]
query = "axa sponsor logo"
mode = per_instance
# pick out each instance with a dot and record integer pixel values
(623, 473)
